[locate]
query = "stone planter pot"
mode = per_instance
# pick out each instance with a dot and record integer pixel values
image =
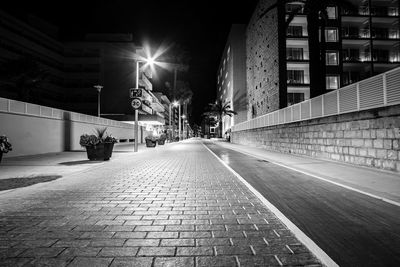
(101, 151)
(151, 142)
(161, 141)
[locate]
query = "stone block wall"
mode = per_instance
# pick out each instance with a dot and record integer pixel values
(262, 60)
(368, 138)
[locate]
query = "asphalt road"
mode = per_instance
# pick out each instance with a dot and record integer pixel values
(352, 228)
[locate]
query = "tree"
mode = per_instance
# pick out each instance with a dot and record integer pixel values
(316, 12)
(219, 110)
(23, 74)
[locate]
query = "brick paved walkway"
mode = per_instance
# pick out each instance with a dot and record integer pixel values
(170, 206)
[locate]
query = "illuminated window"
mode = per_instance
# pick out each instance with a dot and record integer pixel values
(331, 10)
(332, 58)
(331, 35)
(332, 82)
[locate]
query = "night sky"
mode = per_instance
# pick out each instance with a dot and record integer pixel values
(201, 27)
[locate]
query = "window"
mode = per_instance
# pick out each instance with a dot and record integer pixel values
(351, 54)
(293, 98)
(293, 53)
(331, 10)
(332, 82)
(298, 8)
(296, 31)
(212, 129)
(332, 58)
(331, 35)
(295, 76)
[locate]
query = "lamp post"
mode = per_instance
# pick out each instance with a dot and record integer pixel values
(172, 125)
(183, 125)
(98, 87)
(175, 104)
(179, 121)
(136, 126)
(150, 61)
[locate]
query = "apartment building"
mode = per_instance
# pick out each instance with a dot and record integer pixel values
(361, 40)
(73, 68)
(231, 76)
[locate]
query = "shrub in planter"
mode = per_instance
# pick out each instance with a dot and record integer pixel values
(161, 140)
(98, 146)
(5, 145)
(151, 141)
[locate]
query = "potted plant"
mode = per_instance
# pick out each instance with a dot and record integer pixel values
(5, 145)
(151, 141)
(98, 146)
(161, 140)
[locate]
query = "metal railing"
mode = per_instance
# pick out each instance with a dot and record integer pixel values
(378, 91)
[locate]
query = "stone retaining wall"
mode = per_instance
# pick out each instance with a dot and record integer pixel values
(368, 138)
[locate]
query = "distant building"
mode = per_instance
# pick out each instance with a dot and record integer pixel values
(35, 40)
(359, 44)
(75, 67)
(231, 76)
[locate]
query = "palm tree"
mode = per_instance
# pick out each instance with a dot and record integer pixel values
(220, 110)
(316, 12)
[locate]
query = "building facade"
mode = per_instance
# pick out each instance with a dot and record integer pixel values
(360, 40)
(231, 76)
(74, 68)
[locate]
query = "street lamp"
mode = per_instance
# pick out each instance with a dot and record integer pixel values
(183, 125)
(149, 61)
(98, 87)
(175, 104)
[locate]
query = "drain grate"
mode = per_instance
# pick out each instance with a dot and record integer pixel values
(262, 160)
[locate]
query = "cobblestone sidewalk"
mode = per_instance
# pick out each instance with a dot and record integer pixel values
(175, 206)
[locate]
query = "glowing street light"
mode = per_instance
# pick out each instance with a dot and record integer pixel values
(151, 62)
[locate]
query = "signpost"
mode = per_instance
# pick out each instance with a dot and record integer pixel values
(140, 98)
(136, 103)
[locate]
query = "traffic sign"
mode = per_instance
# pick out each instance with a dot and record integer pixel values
(136, 103)
(135, 92)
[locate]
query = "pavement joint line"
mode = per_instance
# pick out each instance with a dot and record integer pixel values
(323, 179)
(300, 235)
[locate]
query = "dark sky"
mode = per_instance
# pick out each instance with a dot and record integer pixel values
(200, 26)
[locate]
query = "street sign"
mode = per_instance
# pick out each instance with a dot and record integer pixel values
(136, 103)
(135, 92)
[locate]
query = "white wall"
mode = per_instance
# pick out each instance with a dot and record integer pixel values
(34, 129)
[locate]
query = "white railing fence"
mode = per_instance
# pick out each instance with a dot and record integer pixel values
(29, 109)
(378, 91)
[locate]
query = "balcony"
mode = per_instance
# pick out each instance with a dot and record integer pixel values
(296, 31)
(362, 11)
(355, 33)
(355, 55)
(385, 33)
(298, 8)
(379, 11)
(385, 11)
(297, 77)
(296, 54)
